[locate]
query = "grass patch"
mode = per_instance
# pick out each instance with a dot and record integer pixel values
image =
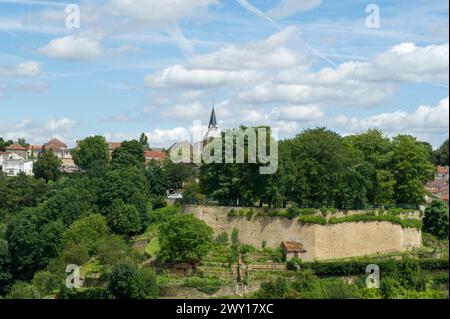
(152, 249)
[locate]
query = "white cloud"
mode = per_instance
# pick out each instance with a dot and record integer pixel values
(233, 65)
(179, 76)
(167, 137)
(296, 113)
(29, 68)
(424, 120)
(355, 83)
(159, 12)
(39, 132)
(290, 7)
(72, 47)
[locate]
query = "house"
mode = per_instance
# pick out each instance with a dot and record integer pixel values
(14, 164)
(156, 155)
(292, 249)
(441, 173)
(112, 146)
(18, 149)
(34, 151)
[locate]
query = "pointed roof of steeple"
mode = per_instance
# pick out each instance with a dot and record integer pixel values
(212, 120)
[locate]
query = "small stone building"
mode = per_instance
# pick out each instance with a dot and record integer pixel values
(293, 249)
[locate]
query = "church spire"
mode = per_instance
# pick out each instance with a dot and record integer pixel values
(212, 119)
(213, 127)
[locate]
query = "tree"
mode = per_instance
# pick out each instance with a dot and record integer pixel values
(177, 173)
(4, 144)
(111, 250)
(86, 230)
(5, 267)
(440, 156)
(184, 238)
(143, 139)
(89, 151)
(436, 219)
(23, 142)
(384, 188)
(127, 184)
(47, 166)
(411, 168)
(130, 153)
(124, 219)
(127, 281)
(23, 290)
(156, 178)
(24, 244)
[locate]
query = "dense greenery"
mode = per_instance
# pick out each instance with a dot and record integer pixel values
(184, 238)
(436, 219)
(319, 168)
(47, 166)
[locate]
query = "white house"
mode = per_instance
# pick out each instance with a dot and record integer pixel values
(13, 165)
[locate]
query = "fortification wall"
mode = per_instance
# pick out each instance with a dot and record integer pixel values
(321, 241)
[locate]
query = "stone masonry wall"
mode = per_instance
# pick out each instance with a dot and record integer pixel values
(321, 241)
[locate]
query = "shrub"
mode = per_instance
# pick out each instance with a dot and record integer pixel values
(309, 219)
(222, 238)
(293, 263)
(235, 236)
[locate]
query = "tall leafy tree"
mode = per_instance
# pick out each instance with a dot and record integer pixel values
(157, 178)
(184, 238)
(440, 156)
(47, 166)
(435, 220)
(143, 139)
(411, 168)
(90, 151)
(130, 153)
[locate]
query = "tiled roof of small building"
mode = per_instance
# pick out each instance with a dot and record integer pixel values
(293, 246)
(15, 147)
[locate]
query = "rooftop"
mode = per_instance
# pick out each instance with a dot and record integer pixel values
(15, 147)
(293, 246)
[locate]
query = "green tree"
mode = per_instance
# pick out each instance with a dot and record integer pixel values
(4, 144)
(124, 219)
(440, 156)
(384, 188)
(127, 184)
(86, 230)
(23, 290)
(184, 238)
(130, 153)
(411, 168)
(90, 151)
(111, 250)
(5, 267)
(143, 139)
(177, 173)
(47, 166)
(157, 179)
(127, 281)
(436, 219)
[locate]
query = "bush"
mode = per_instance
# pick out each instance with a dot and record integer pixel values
(293, 263)
(309, 219)
(126, 281)
(235, 236)
(222, 238)
(436, 219)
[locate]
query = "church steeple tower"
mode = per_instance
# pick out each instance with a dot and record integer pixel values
(213, 127)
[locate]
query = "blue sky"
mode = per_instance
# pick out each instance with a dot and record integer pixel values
(154, 66)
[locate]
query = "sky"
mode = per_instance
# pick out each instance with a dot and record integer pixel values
(155, 66)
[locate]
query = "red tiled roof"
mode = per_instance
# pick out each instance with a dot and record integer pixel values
(55, 144)
(293, 246)
(155, 154)
(35, 147)
(113, 145)
(444, 197)
(442, 169)
(15, 147)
